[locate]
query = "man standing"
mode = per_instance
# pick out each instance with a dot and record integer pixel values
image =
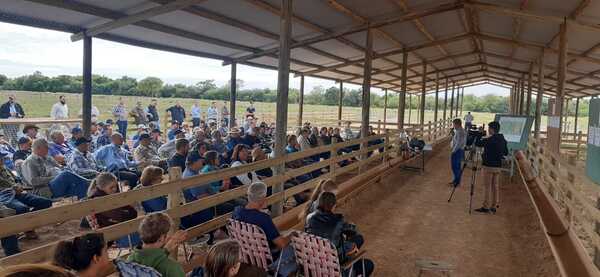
(60, 110)
(145, 155)
(459, 140)
(468, 121)
(152, 113)
(120, 114)
(177, 112)
(250, 110)
(196, 114)
(494, 150)
(139, 114)
(11, 109)
(212, 113)
(225, 114)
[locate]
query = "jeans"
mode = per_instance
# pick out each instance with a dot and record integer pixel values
(288, 261)
(357, 268)
(122, 125)
(195, 121)
(22, 203)
(69, 184)
(226, 121)
(456, 161)
(127, 175)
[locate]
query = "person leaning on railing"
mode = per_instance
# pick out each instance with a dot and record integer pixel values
(48, 178)
(13, 196)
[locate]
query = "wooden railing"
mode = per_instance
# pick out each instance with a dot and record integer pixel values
(75, 211)
(429, 131)
(575, 143)
(576, 197)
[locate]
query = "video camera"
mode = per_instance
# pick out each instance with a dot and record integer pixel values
(474, 134)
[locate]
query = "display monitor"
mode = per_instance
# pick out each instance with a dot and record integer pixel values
(516, 129)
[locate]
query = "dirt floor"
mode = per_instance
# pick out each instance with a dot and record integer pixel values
(406, 217)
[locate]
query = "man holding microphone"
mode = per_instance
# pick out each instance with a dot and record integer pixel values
(459, 140)
(494, 150)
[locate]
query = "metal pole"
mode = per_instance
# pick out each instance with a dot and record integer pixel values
(232, 95)
(87, 86)
(540, 96)
(283, 78)
(422, 105)
(340, 103)
(366, 89)
(402, 97)
(301, 101)
(437, 91)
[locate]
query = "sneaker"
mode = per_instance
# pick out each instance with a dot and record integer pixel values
(483, 210)
(493, 210)
(6, 211)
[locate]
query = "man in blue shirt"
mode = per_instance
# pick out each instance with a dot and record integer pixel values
(59, 149)
(196, 114)
(174, 127)
(177, 112)
(116, 160)
(253, 213)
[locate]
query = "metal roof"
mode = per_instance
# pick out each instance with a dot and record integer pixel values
(466, 42)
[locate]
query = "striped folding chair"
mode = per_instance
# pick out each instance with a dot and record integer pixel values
(254, 245)
(93, 221)
(318, 257)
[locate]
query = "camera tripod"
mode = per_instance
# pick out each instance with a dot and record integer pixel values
(472, 157)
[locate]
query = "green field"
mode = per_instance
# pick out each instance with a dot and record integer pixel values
(38, 104)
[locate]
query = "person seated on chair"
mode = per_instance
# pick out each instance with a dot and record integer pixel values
(87, 255)
(167, 150)
(76, 133)
(323, 185)
(117, 160)
(239, 158)
(157, 244)
(494, 150)
(146, 155)
(46, 176)
(182, 147)
(156, 140)
(13, 197)
(59, 149)
(24, 145)
(259, 155)
(82, 161)
(253, 213)
(106, 132)
(175, 125)
(331, 226)
(224, 260)
(106, 184)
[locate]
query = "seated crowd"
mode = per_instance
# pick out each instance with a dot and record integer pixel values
(40, 171)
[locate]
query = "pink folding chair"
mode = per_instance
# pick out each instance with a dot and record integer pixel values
(254, 245)
(318, 257)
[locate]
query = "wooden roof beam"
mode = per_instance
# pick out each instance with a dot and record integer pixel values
(443, 70)
(517, 28)
(136, 17)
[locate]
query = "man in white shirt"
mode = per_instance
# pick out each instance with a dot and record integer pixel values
(468, 121)
(60, 110)
(459, 140)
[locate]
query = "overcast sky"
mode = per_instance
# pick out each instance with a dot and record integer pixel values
(24, 50)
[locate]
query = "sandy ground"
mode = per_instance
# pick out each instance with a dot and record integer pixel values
(407, 217)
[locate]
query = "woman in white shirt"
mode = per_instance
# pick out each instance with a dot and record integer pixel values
(240, 157)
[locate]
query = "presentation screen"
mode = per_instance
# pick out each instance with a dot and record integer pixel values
(516, 130)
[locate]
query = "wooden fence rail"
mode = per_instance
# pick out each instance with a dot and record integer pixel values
(78, 210)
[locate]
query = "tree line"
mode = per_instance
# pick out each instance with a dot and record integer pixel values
(208, 89)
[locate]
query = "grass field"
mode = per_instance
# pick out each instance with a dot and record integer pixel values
(38, 104)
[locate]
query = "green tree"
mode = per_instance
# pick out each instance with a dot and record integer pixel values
(150, 86)
(3, 79)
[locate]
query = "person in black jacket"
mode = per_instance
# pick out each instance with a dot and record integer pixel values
(11, 109)
(331, 226)
(494, 150)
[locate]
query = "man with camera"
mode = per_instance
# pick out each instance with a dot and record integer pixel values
(494, 150)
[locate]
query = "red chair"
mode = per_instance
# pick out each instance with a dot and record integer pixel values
(318, 257)
(254, 245)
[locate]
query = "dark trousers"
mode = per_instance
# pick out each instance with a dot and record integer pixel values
(22, 203)
(130, 176)
(122, 125)
(68, 184)
(456, 161)
(195, 121)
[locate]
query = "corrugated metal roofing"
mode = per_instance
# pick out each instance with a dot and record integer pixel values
(231, 29)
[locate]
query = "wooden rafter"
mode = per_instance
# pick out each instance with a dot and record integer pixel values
(517, 29)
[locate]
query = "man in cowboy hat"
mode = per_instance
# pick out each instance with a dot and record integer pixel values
(31, 131)
(234, 138)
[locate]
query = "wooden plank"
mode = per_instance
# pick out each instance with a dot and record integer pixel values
(402, 96)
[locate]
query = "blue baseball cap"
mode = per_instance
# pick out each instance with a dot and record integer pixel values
(81, 141)
(193, 157)
(76, 130)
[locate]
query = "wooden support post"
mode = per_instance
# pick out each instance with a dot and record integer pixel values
(332, 156)
(528, 101)
(409, 108)
(301, 101)
(402, 97)
(539, 97)
(445, 100)
(452, 101)
(437, 91)
(366, 92)
(174, 199)
(422, 104)
(458, 91)
(283, 78)
(566, 110)
(555, 125)
(522, 97)
(86, 114)
(576, 115)
(462, 100)
(232, 95)
(385, 100)
(340, 103)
